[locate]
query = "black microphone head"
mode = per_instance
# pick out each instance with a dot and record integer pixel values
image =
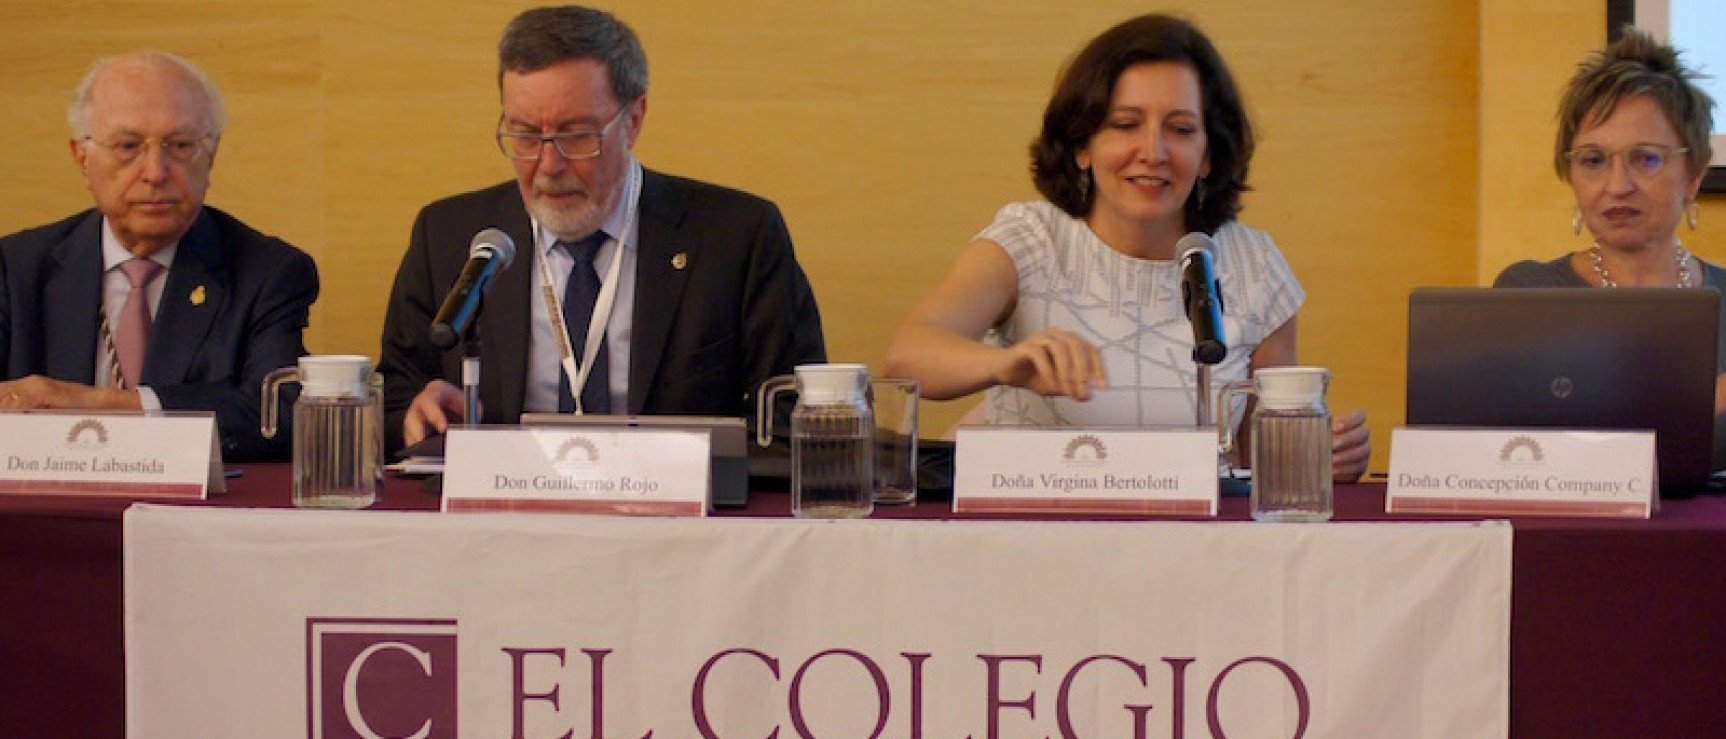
(1210, 352)
(493, 243)
(1201, 296)
(442, 336)
(1195, 242)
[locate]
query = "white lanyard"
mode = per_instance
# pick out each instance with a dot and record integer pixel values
(596, 325)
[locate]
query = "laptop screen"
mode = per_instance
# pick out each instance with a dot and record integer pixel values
(1625, 358)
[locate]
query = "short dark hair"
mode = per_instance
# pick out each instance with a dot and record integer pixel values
(542, 37)
(1080, 104)
(1636, 64)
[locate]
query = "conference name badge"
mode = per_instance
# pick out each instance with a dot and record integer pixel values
(1522, 472)
(1085, 471)
(621, 471)
(111, 454)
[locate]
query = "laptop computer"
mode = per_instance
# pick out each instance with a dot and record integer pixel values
(730, 445)
(1624, 358)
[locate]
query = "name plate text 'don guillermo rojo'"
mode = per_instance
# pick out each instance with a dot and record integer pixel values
(623, 471)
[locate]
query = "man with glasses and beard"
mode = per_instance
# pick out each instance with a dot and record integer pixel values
(668, 296)
(151, 300)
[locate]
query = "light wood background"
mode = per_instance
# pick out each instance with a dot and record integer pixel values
(1402, 144)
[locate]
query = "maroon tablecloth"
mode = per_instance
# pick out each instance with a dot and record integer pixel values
(1618, 628)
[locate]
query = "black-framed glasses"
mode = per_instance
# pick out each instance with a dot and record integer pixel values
(1642, 160)
(182, 148)
(526, 147)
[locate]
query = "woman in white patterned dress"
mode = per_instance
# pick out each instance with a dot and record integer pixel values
(1067, 311)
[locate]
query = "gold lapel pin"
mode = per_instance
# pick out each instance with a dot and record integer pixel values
(198, 295)
(680, 260)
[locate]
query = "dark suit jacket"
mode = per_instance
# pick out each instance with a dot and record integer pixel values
(205, 354)
(738, 311)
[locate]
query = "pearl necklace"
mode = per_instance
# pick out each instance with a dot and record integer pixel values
(1682, 257)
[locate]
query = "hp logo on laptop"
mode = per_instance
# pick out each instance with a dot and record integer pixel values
(1562, 387)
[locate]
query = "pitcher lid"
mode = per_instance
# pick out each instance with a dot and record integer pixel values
(335, 375)
(1284, 386)
(831, 383)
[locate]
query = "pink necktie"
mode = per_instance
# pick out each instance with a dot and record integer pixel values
(132, 339)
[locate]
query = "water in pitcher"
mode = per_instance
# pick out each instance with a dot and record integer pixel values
(335, 453)
(833, 466)
(1291, 465)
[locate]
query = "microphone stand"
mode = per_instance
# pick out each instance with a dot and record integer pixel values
(1202, 409)
(470, 373)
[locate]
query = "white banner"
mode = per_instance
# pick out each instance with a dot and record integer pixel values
(342, 624)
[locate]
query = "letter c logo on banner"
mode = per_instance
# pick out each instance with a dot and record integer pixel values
(351, 689)
(379, 678)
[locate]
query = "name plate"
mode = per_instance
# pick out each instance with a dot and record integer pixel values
(113, 454)
(1522, 472)
(624, 471)
(1090, 471)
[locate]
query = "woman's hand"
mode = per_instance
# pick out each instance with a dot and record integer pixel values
(1053, 362)
(1351, 446)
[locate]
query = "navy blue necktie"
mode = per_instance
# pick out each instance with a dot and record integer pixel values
(580, 292)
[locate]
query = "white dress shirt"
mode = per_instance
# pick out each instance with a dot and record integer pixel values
(115, 289)
(544, 365)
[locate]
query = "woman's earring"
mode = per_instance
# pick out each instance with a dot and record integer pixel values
(1576, 222)
(1085, 184)
(1199, 187)
(1692, 215)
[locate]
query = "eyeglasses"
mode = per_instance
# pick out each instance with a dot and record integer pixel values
(526, 147)
(179, 148)
(1642, 160)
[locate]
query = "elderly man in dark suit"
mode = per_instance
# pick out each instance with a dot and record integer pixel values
(151, 300)
(662, 294)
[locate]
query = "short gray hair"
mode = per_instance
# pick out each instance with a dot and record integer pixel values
(78, 113)
(542, 37)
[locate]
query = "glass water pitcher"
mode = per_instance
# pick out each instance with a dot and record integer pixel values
(832, 438)
(338, 429)
(1291, 442)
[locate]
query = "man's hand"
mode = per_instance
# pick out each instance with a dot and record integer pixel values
(36, 391)
(437, 406)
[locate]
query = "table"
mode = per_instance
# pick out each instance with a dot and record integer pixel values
(1618, 628)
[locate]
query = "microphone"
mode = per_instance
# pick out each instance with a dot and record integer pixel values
(1202, 296)
(491, 253)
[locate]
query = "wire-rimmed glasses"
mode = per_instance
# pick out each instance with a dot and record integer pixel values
(181, 148)
(1642, 160)
(527, 146)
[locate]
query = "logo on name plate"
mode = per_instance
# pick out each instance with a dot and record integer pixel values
(88, 435)
(1521, 451)
(1085, 450)
(374, 678)
(577, 451)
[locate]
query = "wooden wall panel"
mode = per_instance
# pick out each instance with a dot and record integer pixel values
(888, 131)
(409, 110)
(1529, 49)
